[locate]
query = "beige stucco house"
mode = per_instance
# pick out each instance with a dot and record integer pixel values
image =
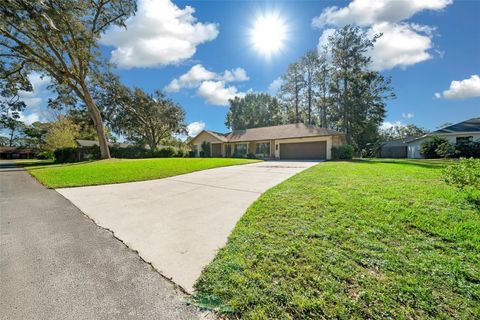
(290, 141)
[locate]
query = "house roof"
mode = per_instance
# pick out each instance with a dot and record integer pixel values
(470, 125)
(91, 143)
(218, 135)
(295, 130)
(397, 142)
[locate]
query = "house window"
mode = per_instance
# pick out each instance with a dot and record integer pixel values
(263, 148)
(464, 140)
(241, 149)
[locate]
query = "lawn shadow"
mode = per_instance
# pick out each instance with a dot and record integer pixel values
(424, 163)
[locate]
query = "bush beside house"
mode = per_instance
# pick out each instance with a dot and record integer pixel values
(343, 152)
(439, 147)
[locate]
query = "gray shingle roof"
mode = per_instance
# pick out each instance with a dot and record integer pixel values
(295, 130)
(471, 125)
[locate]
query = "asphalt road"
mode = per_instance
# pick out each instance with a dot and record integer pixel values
(55, 263)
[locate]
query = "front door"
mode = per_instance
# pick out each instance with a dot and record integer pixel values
(216, 150)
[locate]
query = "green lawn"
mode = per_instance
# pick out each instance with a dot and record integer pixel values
(361, 239)
(119, 170)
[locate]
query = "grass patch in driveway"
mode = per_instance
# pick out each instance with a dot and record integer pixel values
(120, 170)
(363, 239)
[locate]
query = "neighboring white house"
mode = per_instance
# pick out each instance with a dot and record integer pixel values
(468, 130)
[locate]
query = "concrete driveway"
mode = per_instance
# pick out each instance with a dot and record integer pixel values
(179, 223)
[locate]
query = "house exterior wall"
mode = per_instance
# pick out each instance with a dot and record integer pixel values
(204, 136)
(331, 141)
(414, 146)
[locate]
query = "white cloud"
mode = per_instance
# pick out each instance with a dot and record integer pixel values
(402, 44)
(34, 98)
(159, 34)
(368, 12)
(216, 93)
(388, 125)
(210, 85)
(195, 128)
(408, 115)
(275, 86)
(197, 74)
(463, 89)
(29, 118)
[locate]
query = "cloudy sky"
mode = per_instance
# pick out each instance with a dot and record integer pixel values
(204, 52)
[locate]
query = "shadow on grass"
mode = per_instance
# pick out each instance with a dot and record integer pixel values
(47, 164)
(424, 163)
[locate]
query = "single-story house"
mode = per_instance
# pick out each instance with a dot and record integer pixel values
(465, 131)
(395, 148)
(90, 143)
(291, 141)
(16, 153)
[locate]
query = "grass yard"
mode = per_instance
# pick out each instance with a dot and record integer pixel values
(119, 170)
(362, 239)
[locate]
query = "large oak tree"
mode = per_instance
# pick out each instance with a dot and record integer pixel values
(59, 38)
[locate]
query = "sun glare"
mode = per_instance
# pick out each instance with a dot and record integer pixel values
(268, 34)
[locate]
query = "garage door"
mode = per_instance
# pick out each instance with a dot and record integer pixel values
(304, 150)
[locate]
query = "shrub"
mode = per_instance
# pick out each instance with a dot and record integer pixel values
(67, 154)
(468, 149)
(251, 156)
(191, 154)
(89, 153)
(445, 150)
(465, 175)
(205, 149)
(166, 152)
(343, 152)
(180, 153)
(45, 155)
(131, 152)
(428, 149)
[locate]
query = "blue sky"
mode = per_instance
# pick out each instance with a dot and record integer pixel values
(425, 48)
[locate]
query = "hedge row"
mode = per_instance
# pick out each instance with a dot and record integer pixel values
(63, 155)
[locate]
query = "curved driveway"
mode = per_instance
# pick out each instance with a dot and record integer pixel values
(179, 223)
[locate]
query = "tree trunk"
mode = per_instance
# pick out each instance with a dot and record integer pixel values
(12, 133)
(97, 120)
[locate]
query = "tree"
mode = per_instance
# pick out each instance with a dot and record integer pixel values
(402, 132)
(61, 134)
(291, 89)
(35, 134)
(11, 107)
(253, 111)
(143, 118)
(359, 93)
(322, 79)
(310, 64)
(59, 39)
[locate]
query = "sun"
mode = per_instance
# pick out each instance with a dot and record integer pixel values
(268, 34)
